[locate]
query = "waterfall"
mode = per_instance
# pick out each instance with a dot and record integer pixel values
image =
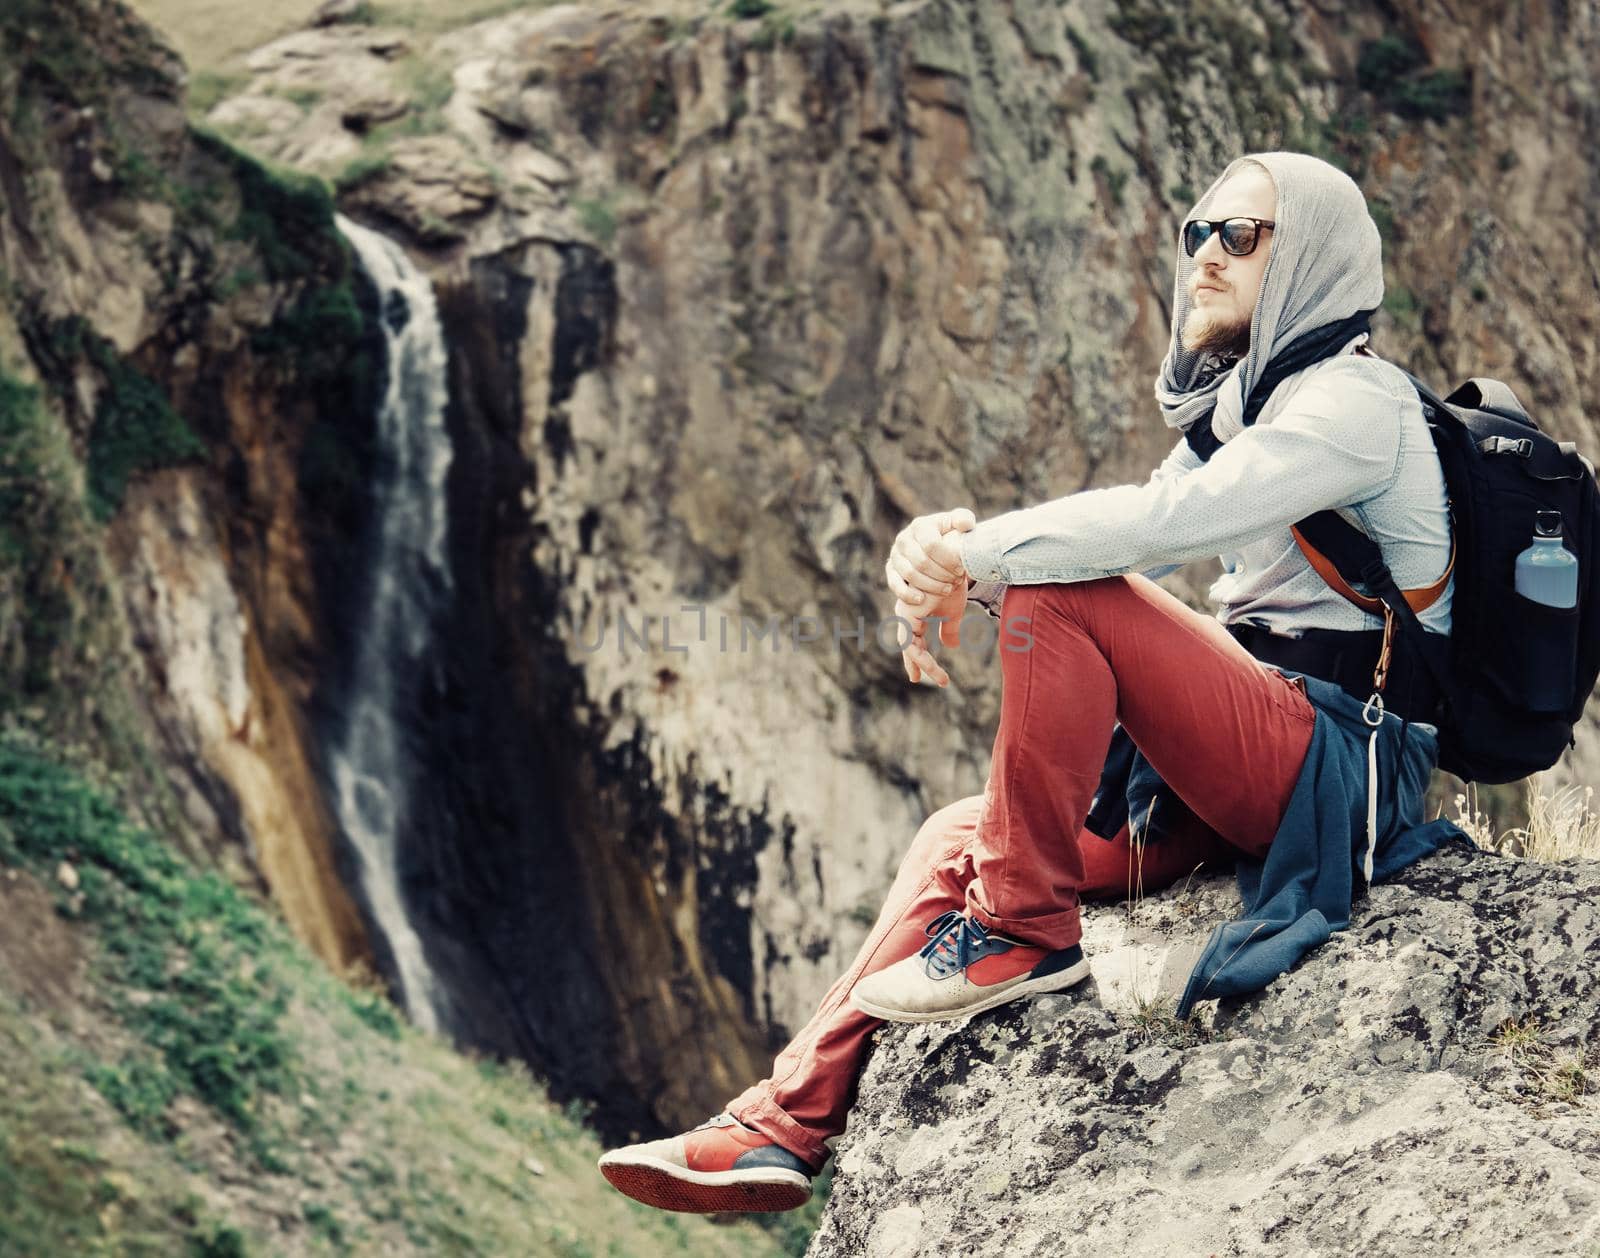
(409, 581)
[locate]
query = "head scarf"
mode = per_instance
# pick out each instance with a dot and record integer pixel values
(1326, 268)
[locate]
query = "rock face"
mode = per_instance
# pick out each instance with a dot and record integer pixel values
(1423, 1084)
(193, 324)
(730, 302)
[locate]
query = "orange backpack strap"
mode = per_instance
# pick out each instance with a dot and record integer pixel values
(1419, 599)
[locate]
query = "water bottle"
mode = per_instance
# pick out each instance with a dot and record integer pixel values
(1547, 572)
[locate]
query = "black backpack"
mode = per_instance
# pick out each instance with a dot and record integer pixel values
(1514, 674)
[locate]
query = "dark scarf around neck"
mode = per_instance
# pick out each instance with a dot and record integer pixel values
(1310, 347)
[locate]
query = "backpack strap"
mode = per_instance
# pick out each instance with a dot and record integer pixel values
(1334, 546)
(1360, 554)
(1420, 599)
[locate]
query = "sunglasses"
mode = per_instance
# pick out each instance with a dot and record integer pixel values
(1239, 236)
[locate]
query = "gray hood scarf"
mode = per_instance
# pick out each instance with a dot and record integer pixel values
(1322, 282)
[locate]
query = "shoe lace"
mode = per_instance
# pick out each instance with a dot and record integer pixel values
(955, 941)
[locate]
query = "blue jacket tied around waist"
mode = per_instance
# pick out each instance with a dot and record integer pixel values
(1324, 848)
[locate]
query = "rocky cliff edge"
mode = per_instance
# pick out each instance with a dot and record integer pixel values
(1424, 1083)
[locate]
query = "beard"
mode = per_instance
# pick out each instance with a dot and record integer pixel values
(1205, 333)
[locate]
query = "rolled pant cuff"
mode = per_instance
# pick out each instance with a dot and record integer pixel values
(756, 1109)
(1048, 930)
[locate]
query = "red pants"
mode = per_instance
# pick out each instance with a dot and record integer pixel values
(1226, 732)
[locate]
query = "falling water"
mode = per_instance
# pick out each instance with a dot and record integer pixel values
(394, 623)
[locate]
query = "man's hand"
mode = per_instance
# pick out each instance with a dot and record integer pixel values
(923, 565)
(916, 654)
(929, 581)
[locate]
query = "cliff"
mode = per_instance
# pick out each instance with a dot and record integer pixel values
(1424, 1083)
(193, 322)
(729, 301)
(189, 366)
(182, 1077)
(727, 298)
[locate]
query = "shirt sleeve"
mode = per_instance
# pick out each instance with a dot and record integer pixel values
(1181, 458)
(1335, 443)
(987, 595)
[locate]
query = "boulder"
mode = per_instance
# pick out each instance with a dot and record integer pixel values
(430, 186)
(332, 12)
(1424, 1083)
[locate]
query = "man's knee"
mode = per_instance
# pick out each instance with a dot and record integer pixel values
(948, 828)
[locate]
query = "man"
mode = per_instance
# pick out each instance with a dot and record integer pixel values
(1278, 267)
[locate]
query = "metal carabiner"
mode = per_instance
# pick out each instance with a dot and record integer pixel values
(1374, 703)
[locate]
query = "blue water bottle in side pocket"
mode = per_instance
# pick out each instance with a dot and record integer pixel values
(1547, 578)
(1547, 572)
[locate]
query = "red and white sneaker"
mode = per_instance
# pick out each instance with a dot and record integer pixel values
(719, 1165)
(962, 969)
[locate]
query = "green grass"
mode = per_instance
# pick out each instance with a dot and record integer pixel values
(307, 98)
(286, 216)
(134, 426)
(56, 636)
(1155, 1018)
(180, 948)
(215, 1049)
(208, 88)
(68, 1184)
(1382, 61)
(598, 216)
(1394, 70)
(288, 219)
(369, 164)
(1402, 306)
(135, 429)
(430, 85)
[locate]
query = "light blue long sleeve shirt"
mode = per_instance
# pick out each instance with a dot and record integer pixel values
(1345, 433)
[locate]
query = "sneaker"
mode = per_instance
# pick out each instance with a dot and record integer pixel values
(965, 968)
(719, 1165)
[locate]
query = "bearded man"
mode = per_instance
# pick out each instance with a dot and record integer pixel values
(1283, 412)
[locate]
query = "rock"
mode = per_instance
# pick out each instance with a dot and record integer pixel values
(67, 876)
(430, 186)
(332, 12)
(543, 167)
(903, 260)
(880, 268)
(367, 110)
(1366, 1102)
(255, 115)
(532, 1165)
(386, 44)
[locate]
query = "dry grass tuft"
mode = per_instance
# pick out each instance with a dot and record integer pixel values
(1154, 1015)
(1155, 1018)
(1562, 825)
(1548, 1073)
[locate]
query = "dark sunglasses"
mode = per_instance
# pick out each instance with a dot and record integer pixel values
(1239, 235)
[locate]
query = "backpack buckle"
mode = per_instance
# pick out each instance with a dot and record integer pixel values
(1522, 447)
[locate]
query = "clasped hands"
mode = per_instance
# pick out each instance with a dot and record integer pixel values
(929, 581)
